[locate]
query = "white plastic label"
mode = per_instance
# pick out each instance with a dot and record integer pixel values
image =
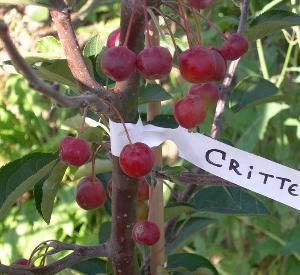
(247, 170)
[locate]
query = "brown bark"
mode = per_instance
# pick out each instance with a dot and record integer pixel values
(124, 188)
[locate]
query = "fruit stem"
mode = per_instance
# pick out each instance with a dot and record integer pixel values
(147, 29)
(169, 30)
(94, 161)
(185, 22)
(200, 15)
(198, 30)
(130, 24)
(122, 121)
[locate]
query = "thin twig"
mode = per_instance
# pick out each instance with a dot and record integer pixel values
(79, 254)
(62, 20)
(95, 101)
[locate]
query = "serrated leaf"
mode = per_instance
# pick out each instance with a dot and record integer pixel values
(93, 47)
(91, 267)
(46, 191)
(228, 200)
(191, 262)
(175, 209)
(271, 21)
(50, 44)
(193, 226)
(165, 121)
(20, 176)
(251, 91)
(153, 93)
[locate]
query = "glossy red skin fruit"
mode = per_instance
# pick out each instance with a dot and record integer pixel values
(136, 160)
(190, 111)
(143, 190)
(154, 63)
(209, 92)
(220, 66)
(118, 63)
(201, 4)
(198, 65)
(90, 193)
(21, 261)
(145, 232)
(74, 151)
(234, 47)
(113, 39)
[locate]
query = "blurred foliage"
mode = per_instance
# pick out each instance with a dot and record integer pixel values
(262, 117)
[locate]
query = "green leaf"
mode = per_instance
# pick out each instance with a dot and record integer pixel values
(193, 226)
(92, 134)
(93, 47)
(228, 200)
(152, 93)
(175, 209)
(39, 14)
(57, 71)
(20, 176)
(104, 232)
(251, 91)
(257, 129)
(191, 262)
(165, 121)
(271, 21)
(91, 267)
(50, 44)
(46, 191)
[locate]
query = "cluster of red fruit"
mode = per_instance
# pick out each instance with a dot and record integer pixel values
(202, 66)
(197, 65)
(90, 192)
(118, 62)
(136, 160)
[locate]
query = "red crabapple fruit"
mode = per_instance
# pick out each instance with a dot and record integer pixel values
(201, 4)
(234, 47)
(154, 63)
(190, 111)
(198, 65)
(74, 151)
(136, 160)
(90, 193)
(118, 63)
(145, 232)
(208, 92)
(113, 39)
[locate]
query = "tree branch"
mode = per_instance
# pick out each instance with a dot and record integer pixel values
(93, 100)
(62, 20)
(79, 254)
